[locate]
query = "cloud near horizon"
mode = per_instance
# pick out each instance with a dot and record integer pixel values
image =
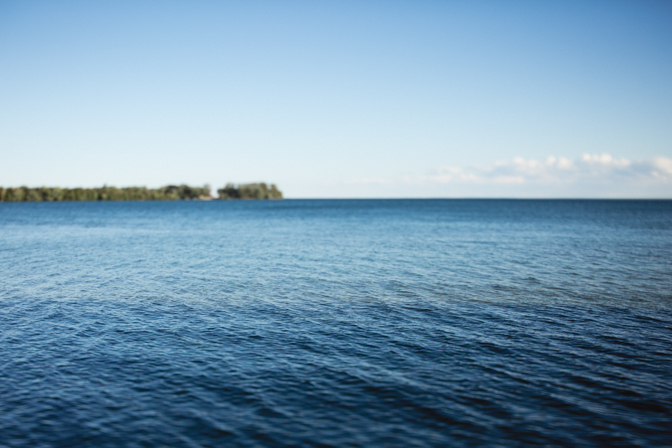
(590, 168)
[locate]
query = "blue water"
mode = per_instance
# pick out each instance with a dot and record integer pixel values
(336, 323)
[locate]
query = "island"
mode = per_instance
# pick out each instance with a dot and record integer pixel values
(259, 190)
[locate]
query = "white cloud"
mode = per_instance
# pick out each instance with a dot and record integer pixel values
(590, 168)
(589, 176)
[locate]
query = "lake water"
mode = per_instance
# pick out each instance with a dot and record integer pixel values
(336, 323)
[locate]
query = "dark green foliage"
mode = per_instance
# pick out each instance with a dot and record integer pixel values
(171, 192)
(168, 193)
(185, 191)
(249, 191)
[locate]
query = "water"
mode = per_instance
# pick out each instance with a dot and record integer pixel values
(336, 323)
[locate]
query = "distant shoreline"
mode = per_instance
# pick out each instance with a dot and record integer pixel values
(258, 191)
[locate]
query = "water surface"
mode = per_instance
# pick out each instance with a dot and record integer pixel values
(336, 323)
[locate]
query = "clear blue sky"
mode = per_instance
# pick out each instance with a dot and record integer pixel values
(341, 99)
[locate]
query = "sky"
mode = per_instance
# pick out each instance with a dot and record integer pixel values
(341, 99)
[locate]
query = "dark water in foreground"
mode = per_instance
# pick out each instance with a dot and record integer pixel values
(336, 323)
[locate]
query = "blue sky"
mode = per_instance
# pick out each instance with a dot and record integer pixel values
(341, 99)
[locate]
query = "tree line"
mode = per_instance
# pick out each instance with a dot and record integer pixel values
(167, 193)
(249, 191)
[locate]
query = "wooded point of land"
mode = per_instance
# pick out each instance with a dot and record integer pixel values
(167, 193)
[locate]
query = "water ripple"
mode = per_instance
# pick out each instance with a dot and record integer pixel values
(336, 323)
